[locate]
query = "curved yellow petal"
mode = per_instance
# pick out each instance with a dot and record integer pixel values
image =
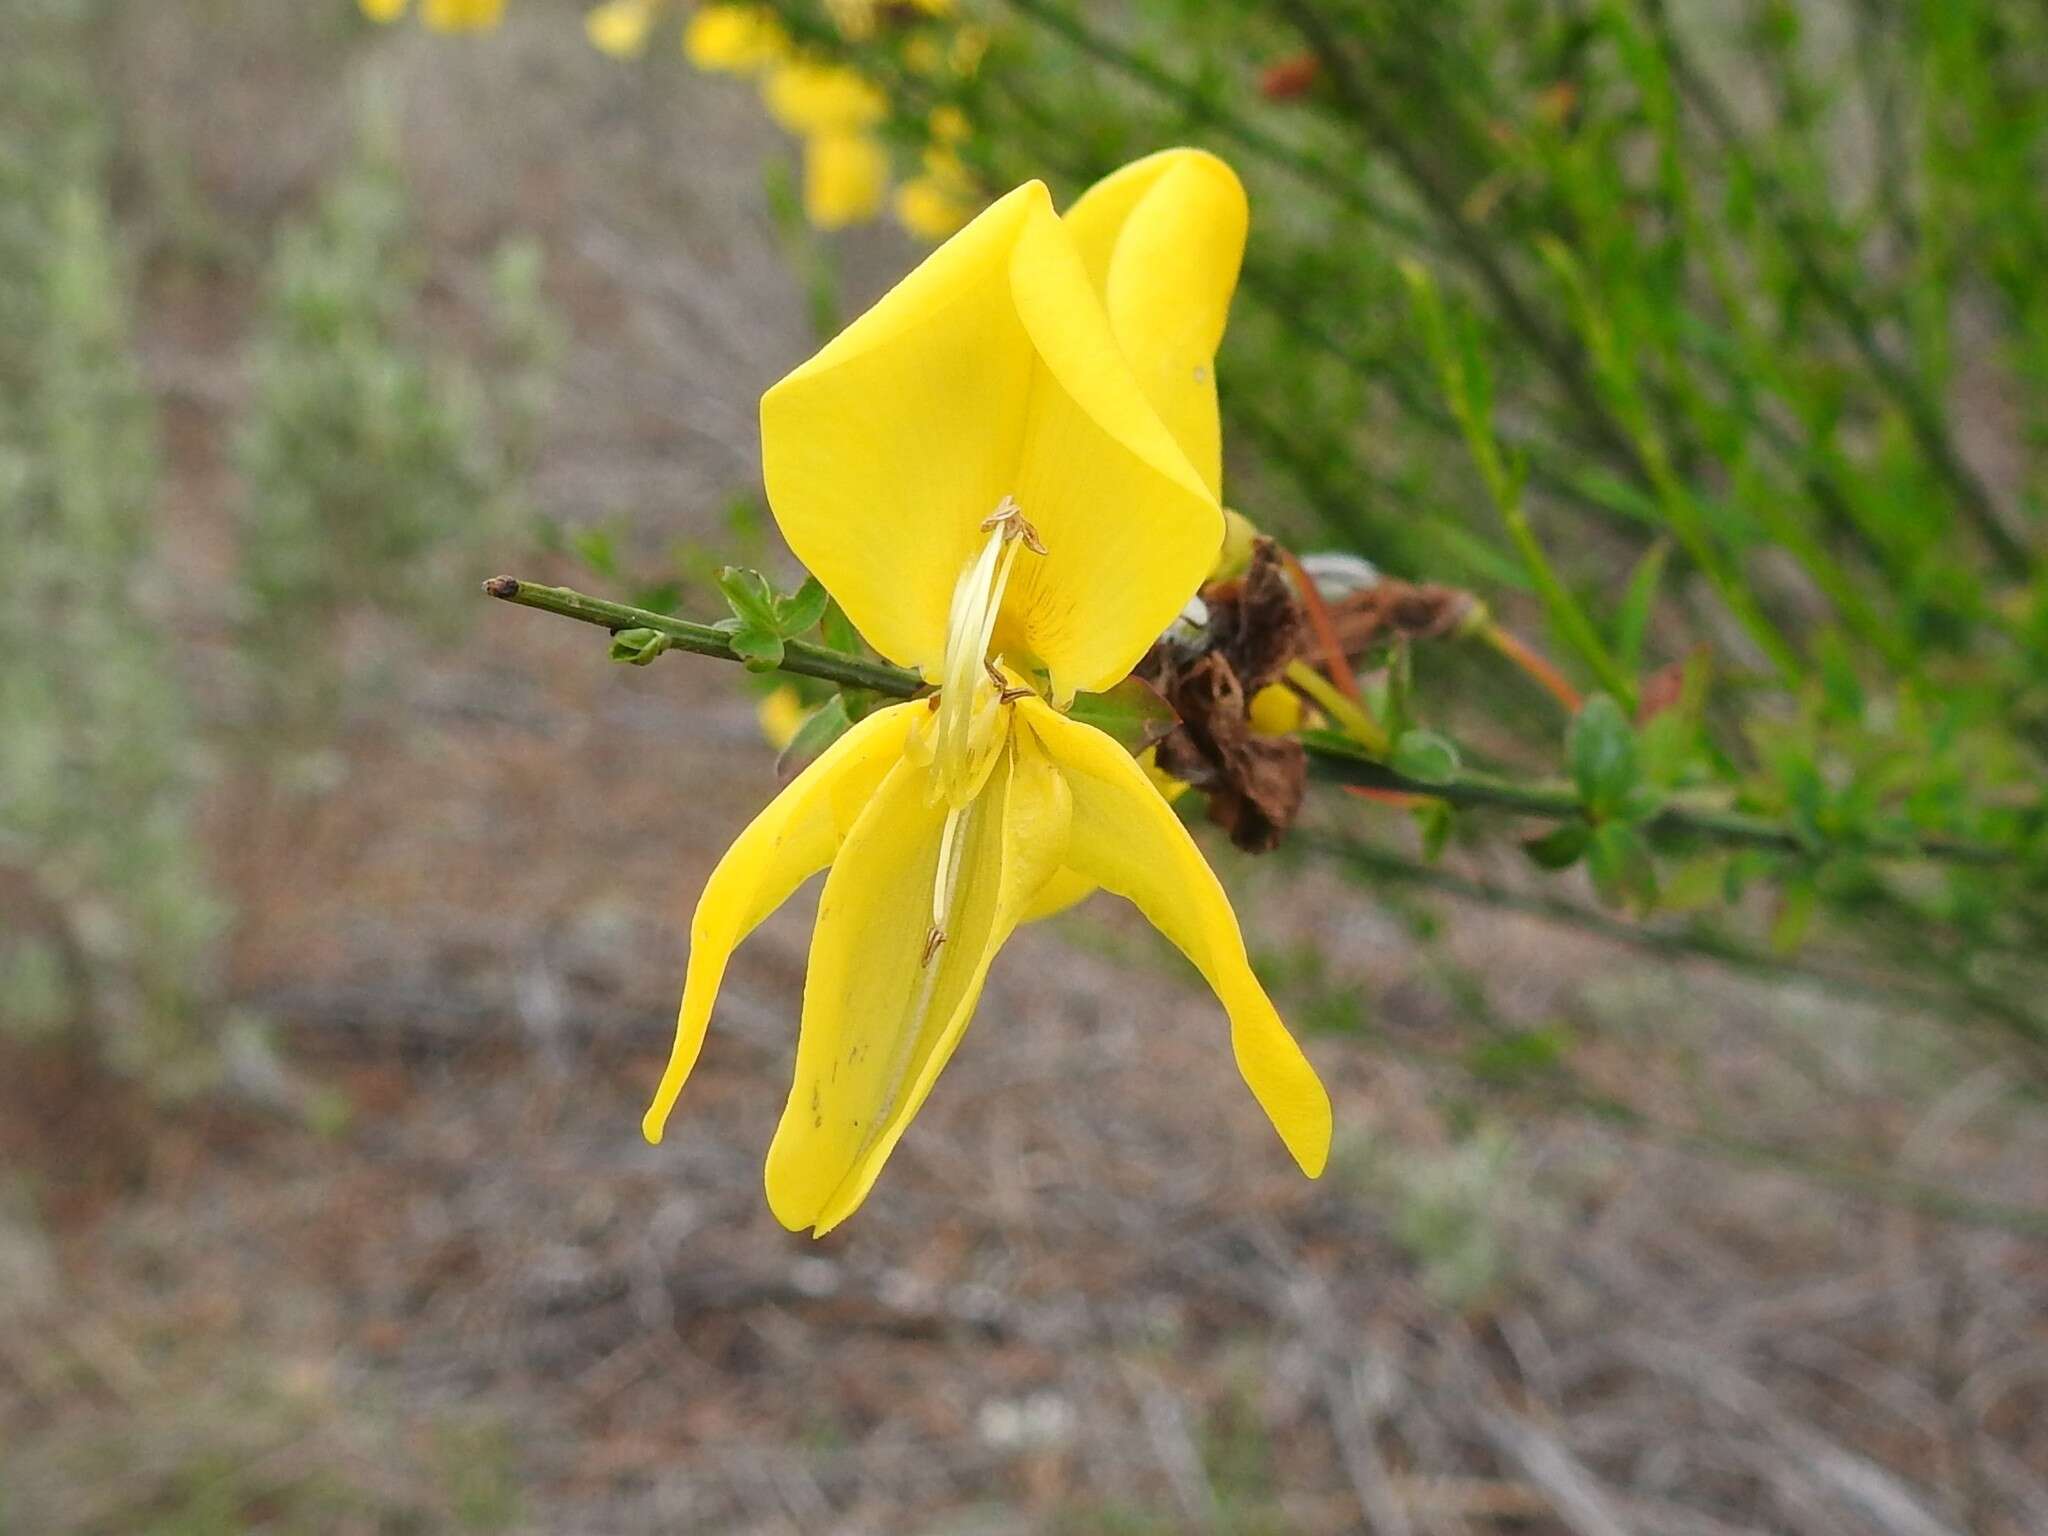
(1129, 527)
(989, 372)
(1126, 838)
(880, 1018)
(1163, 239)
(845, 174)
(795, 837)
(1069, 888)
(1065, 889)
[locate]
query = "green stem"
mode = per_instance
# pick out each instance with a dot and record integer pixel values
(1332, 759)
(798, 656)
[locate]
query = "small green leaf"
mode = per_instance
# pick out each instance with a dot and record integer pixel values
(1435, 819)
(827, 723)
(1425, 757)
(637, 647)
(1602, 752)
(749, 596)
(1560, 847)
(800, 612)
(760, 650)
(1133, 712)
(1633, 623)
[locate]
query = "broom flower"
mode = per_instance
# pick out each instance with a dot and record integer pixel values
(998, 499)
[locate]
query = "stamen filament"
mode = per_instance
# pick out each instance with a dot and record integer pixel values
(959, 758)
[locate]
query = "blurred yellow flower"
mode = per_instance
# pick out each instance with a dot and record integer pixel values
(807, 97)
(621, 27)
(781, 716)
(976, 475)
(845, 176)
(461, 15)
(948, 124)
(934, 204)
(854, 19)
(930, 208)
(965, 53)
(440, 15)
(734, 39)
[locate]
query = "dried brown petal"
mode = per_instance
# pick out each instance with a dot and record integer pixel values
(1408, 609)
(1255, 783)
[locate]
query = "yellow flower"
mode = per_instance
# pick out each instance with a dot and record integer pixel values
(461, 15)
(948, 124)
(780, 715)
(734, 39)
(930, 208)
(807, 97)
(853, 19)
(383, 10)
(621, 27)
(975, 473)
(845, 175)
(965, 53)
(934, 204)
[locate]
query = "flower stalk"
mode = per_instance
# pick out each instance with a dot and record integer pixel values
(1332, 759)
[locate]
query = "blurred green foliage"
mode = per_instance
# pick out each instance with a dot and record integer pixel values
(371, 462)
(109, 911)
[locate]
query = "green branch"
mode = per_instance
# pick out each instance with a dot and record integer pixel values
(798, 656)
(1331, 760)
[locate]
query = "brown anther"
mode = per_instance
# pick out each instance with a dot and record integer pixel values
(1012, 695)
(932, 941)
(1009, 517)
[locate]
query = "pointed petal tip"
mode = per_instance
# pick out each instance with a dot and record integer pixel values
(1315, 1158)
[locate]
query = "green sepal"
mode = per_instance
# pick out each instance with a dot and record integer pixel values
(637, 647)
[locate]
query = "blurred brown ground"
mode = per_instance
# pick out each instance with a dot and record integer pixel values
(1090, 1294)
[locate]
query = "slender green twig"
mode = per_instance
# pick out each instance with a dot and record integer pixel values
(798, 656)
(1923, 416)
(1687, 942)
(1160, 82)
(1331, 759)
